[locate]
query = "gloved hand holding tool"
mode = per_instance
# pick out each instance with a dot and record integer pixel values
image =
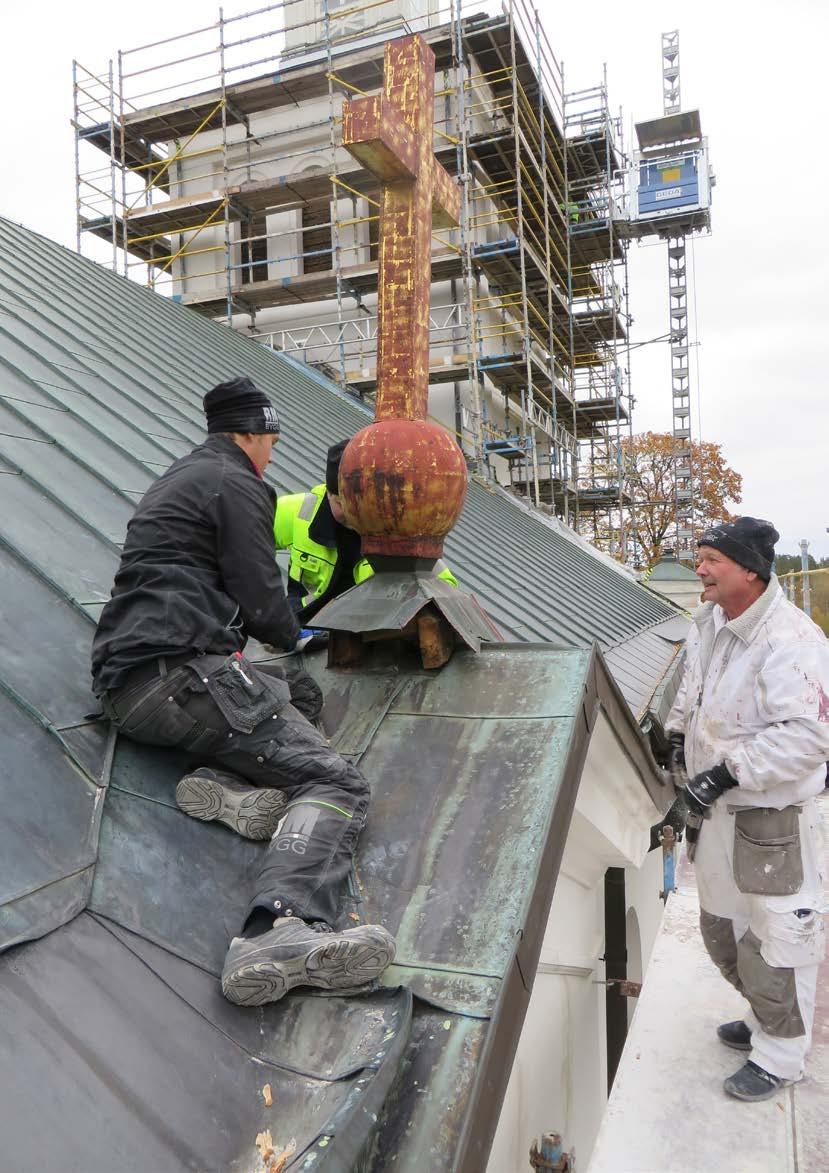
(676, 761)
(700, 794)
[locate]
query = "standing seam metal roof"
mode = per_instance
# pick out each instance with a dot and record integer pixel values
(113, 382)
(117, 1003)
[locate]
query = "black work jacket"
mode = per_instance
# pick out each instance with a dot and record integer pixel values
(198, 571)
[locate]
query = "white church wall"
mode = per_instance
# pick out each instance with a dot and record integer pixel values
(642, 888)
(634, 964)
(202, 269)
(306, 26)
(201, 167)
(559, 1077)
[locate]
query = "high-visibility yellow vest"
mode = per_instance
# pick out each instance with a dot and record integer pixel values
(313, 565)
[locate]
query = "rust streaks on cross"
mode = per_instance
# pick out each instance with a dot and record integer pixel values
(391, 135)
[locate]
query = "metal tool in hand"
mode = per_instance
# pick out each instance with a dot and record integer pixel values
(693, 826)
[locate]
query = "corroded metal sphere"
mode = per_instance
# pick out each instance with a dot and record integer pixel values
(402, 487)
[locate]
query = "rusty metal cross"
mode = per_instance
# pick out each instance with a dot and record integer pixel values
(391, 135)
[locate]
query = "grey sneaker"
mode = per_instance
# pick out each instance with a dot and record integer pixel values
(251, 811)
(292, 953)
(735, 1034)
(753, 1083)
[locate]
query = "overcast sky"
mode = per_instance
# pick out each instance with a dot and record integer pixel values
(756, 71)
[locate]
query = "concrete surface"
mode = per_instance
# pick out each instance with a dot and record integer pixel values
(667, 1112)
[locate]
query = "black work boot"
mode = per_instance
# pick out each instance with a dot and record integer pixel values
(264, 968)
(753, 1083)
(251, 811)
(735, 1034)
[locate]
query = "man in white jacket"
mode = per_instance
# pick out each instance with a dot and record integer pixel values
(750, 739)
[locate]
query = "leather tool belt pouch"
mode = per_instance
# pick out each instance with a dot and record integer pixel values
(767, 857)
(244, 696)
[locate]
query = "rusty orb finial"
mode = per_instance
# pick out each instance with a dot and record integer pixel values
(403, 478)
(403, 485)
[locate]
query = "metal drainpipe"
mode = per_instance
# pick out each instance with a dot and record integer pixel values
(551, 1155)
(667, 838)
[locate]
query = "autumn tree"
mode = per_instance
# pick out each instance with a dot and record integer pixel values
(650, 521)
(795, 583)
(786, 563)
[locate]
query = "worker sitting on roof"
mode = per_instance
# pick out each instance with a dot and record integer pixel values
(197, 578)
(325, 553)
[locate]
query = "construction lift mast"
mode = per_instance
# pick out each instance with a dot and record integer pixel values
(678, 313)
(669, 196)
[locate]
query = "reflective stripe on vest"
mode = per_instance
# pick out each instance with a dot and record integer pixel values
(309, 506)
(312, 565)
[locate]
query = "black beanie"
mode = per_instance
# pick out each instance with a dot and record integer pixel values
(332, 466)
(748, 540)
(237, 405)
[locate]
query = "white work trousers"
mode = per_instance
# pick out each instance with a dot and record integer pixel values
(787, 942)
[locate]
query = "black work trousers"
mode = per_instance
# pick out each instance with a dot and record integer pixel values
(267, 741)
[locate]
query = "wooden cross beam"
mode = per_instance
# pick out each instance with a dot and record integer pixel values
(391, 135)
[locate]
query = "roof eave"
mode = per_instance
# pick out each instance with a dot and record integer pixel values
(601, 694)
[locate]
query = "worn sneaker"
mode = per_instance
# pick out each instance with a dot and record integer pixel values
(251, 811)
(735, 1034)
(753, 1083)
(292, 953)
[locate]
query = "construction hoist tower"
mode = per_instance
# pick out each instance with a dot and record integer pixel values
(669, 195)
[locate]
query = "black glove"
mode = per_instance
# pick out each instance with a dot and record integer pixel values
(703, 791)
(306, 694)
(676, 760)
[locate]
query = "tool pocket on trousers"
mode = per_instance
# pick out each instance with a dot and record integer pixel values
(244, 696)
(157, 718)
(767, 857)
(794, 938)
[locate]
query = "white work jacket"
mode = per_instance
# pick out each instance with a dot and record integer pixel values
(755, 695)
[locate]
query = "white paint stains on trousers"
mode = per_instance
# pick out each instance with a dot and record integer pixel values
(786, 941)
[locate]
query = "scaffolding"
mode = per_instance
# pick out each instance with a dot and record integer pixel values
(600, 313)
(225, 186)
(809, 590)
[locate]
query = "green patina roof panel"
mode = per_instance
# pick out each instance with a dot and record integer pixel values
(473, 772)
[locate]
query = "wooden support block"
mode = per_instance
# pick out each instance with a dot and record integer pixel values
(345, 649)
(436, 639)
(407, 632)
